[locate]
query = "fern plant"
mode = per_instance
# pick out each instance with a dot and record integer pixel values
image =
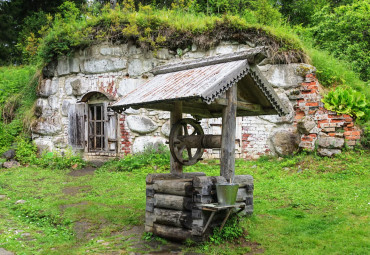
(347, 101)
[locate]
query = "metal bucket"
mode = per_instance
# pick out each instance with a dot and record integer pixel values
(226, 193)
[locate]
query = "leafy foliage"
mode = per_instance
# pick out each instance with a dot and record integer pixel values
(17, 95)
(232, 230)
(344, 31)
(347, 101)
(158, 158)
(60, 160)
(152, 28)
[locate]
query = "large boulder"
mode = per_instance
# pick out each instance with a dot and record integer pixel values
(285, 75)
(42, 108)
(330, 142)
(305, 125)
(328, 152)
(47, 126)
(141, 124)
(147, 142)
(9, 154)
(67, 65)
(93, 65)
(48, 87)
(285, 142)
(166, 129)
(11, 164)
(137, 67)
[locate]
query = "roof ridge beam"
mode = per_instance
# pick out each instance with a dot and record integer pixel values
(254, 56)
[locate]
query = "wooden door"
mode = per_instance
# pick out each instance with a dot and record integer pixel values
(76, 132)
(97, 132)
(111, 128)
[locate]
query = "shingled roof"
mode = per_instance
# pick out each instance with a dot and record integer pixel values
(201, 86)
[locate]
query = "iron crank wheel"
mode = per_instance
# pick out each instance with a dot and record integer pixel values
(179, 150)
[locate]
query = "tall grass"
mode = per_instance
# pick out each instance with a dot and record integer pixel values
(17, 96)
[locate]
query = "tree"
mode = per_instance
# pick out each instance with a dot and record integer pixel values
(13, 14)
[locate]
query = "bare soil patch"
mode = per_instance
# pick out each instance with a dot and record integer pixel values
(82, 172)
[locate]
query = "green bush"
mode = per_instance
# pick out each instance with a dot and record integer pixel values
(347, 101)
(344, 31)
(158, 158)
(60, 160)
(26, 151)
(17, 95)
(152, 28)
(231, 231)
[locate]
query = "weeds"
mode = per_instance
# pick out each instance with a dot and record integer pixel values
(158, 158)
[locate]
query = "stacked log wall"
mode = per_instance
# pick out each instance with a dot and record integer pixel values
(174, 204)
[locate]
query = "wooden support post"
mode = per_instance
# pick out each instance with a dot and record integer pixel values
(228, 135)
(176, 115)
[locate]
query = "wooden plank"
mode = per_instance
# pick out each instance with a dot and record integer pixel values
(203, 112)
(241, 195)
(176, 115)
(173, 218)
(150, 218)
(149, 204)
(204, 141)
(227, 161)
(201, 181)
(150, 178)
(253, 55)
(148, 229)
(172, 202)
(178, 187)
(105, 125)
(149, 191)
(196, 214)
(249, 188)
(76, 130)
(173, 233)
(249, 200)
(203, 199)
(243, 180)
(241, 106)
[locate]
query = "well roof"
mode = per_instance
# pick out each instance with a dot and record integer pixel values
(201, 86)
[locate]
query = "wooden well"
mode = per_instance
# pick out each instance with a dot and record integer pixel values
(174, 204)
(224, 86)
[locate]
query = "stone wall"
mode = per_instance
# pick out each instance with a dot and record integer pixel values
(115, 70)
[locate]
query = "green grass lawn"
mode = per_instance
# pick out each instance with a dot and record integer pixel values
(302, 205)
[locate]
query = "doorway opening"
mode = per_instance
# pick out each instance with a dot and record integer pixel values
(96, 128)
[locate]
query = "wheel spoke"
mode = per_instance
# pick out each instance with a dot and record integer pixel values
(185, 129)
(189, 153)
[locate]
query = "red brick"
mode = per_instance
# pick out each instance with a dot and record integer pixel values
(307, 138)
(299, 115)
(348, 128)
(357, 133)
(346, 116)
(306, 92)
(352, 137)
(336, 121)
(313, 135)
(323, 121)
(312, 104)
(331, 134)
(350, 124)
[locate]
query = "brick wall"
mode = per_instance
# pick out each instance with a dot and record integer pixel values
(329, 124)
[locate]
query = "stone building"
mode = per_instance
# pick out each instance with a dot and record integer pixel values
(76, 92)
